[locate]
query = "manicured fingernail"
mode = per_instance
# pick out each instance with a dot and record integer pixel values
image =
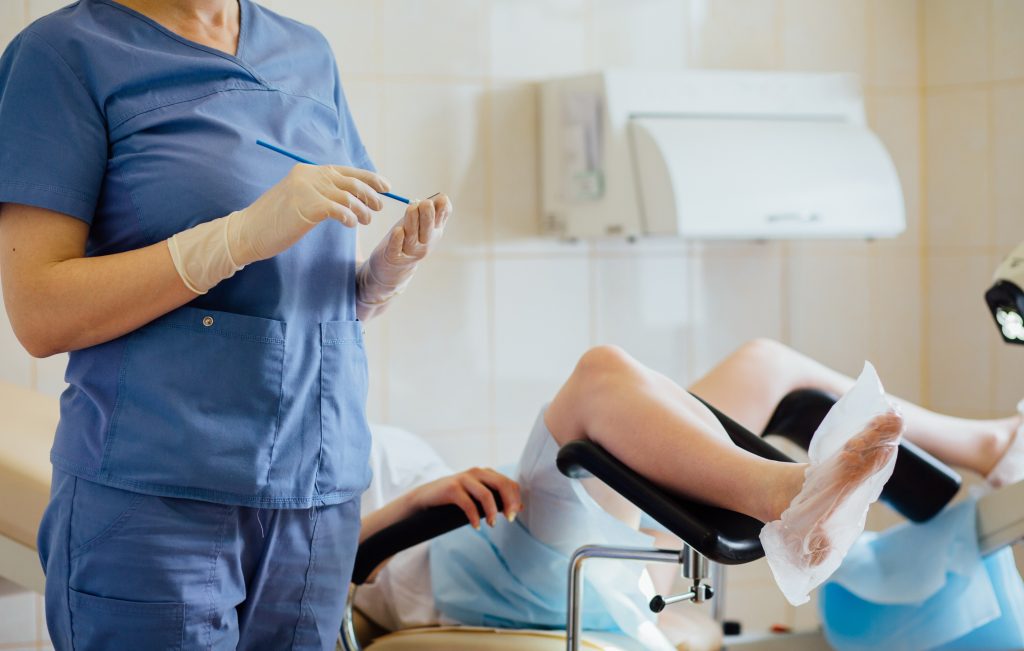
(512, 518)
(477, 526)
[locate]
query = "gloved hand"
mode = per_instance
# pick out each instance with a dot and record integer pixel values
(210, 252)
(391, 265)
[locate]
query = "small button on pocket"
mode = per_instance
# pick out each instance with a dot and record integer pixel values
(207, 321)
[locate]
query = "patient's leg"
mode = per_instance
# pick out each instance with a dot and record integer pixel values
(662, 432)
(748, 385)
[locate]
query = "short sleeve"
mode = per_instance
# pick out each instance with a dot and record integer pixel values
(53, 138)
(353, 143)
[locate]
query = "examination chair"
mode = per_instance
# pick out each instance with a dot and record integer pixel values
(919, 488)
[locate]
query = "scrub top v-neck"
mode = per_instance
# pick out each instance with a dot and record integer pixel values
(253, 394)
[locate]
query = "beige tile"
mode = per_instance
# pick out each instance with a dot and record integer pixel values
(881, 517)
(642, 303)
(348, 25)
(40, 8)
(541, 327)
(364, 102)
(50, 374)
(538, 38)
(439, 368)
(12, 20)
(377, 354)
(460, 449)
(894, 60)
(737, 576)
(1008, 360)
(956, 35)
(805, 617)
(432, 141)
(1007, 39)
(829, 300)
(957, 182)
(17, 618)
(734, 34)
(1008, 165)
(513, 124)
(897, 301)
(826, 36)
(738, 296)
(432, 37)
(15, 363)
(896, 119)
(758, 605)
(509, 443)
(960, 368)
(650, 34)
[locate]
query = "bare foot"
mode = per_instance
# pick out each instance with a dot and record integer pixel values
(861, 457)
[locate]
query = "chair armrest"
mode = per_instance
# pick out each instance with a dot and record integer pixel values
(417, 528)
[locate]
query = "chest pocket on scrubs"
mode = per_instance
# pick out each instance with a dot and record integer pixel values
(198, 402)
(344, 379)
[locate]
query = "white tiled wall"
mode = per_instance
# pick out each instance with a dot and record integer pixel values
(442, 91)
(973, 88)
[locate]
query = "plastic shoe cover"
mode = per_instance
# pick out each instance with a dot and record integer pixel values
(1010, 467)
(852, 455)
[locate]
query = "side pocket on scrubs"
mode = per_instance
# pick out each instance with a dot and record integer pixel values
(344, 432)
(101, 624)
(198, 402)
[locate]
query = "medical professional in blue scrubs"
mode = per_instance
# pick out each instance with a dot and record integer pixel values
(212, 441)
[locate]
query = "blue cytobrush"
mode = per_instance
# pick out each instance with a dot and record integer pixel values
(300, 159)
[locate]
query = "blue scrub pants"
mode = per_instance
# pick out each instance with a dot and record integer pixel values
(131, 571)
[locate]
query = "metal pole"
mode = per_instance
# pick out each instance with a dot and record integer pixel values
(718, 580)
(572, 629)
(348, 629)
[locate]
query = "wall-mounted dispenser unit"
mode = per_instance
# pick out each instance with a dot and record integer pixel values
(714, 155)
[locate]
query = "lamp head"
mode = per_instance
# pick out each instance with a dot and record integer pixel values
(1006, 299)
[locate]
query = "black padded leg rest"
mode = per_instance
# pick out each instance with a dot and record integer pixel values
(721, 535)
(920, 486)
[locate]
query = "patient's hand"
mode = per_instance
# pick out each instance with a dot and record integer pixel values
(473, 484)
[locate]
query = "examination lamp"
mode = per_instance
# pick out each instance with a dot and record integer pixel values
(1006, 299)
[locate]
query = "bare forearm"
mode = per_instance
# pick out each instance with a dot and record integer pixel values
(72, 304)
(392, 512)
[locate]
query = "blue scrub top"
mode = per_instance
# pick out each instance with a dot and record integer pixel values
(253, 394)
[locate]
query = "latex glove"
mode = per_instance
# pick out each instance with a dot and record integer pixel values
(391, 265)
(210, 252)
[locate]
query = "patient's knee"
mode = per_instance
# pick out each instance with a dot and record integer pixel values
(603, 364)
(763, 352)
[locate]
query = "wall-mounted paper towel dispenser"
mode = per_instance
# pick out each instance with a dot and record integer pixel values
(714, 155)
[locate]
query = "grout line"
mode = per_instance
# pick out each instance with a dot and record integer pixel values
(923, 232)
(785, 295)
(779, 27)
(870, 56)
(592, 292)
(40, 620)
(991, 190)
(490, 228)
